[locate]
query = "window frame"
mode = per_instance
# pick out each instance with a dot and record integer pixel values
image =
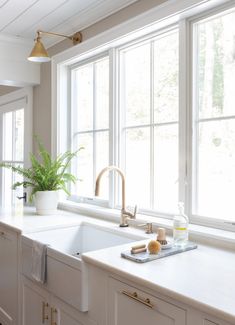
(191, 13)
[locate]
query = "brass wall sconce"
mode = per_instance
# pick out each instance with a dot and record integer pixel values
(39, 53)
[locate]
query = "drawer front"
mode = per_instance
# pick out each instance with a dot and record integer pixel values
(129, 305)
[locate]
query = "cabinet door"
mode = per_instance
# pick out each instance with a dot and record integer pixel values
(36, 309)
(8, 276)
(63, 314)
(129, 305)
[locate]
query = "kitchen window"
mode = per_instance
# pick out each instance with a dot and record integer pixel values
(149, 89)
(161, 107)
(90, 123)
(146, 122)
(214, 117)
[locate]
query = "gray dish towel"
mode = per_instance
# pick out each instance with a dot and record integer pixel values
(39, 254)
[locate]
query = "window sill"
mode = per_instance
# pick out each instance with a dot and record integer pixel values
(200, 234)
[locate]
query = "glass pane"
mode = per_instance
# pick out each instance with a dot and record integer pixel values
(7, 184)
(135, 85)
(166, 70)
(7, 136)
(216, 66)
(19, 135)
(82, 166)
(10, 196)
(138, 167)
(102, 160)
(166, 168)
(19, 190)
(216, 170)
(83, 110)
(102, 93)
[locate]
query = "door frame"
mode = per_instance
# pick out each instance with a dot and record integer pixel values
(5, 101)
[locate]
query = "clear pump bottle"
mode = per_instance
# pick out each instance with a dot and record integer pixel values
(180, 227)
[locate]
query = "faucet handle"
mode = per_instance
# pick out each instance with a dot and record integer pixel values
(148, 226)
(132, 211)
(127, 214)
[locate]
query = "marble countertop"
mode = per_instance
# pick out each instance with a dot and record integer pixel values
(202, 278)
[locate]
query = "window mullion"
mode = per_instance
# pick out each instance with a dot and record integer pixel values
(13, 151)
(71, 118)
(121, 117)
(152, 189)
(1, 158)
(94, 122)
(184, 117)
(113, 124)
(194, 121)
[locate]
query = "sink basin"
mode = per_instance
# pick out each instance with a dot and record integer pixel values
(83, 238)
(67, 274)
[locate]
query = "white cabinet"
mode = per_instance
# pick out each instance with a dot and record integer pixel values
(8, 277)
(35, 305)
(42, 308)
(63, 314)
(129, 305)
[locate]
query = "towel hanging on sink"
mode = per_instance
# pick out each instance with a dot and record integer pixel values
(39, 253)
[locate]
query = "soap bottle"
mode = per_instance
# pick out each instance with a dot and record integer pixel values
(180, 227)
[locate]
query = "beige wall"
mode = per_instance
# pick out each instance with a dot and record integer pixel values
(42, 93)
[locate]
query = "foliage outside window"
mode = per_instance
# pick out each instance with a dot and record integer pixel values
(214, 117)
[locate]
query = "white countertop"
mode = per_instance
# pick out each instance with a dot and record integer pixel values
(26, 220)
(203, 278)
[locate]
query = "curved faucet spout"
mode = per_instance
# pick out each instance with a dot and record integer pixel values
(124, 213)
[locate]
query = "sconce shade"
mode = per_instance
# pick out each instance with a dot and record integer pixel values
(39, 53)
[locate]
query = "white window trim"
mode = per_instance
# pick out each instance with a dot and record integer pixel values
(170, 12)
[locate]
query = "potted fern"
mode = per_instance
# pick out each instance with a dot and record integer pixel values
(45, 177)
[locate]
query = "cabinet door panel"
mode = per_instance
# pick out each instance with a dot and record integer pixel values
(124, 309)
(64, 314)
(8, 275)
(35, 308)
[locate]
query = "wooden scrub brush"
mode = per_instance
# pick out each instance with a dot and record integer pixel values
(161, 236)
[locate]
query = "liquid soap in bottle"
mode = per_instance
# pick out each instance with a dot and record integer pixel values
(180, 227)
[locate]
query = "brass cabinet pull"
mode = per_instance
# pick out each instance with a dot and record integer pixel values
(134, 296)
(53, 311)
(44, 316)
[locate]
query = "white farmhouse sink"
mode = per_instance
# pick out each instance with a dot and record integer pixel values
(83, 238)
(67, 274)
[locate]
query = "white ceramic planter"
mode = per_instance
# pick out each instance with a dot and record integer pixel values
(46, 202)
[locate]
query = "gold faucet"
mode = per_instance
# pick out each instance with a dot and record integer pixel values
(124, 213)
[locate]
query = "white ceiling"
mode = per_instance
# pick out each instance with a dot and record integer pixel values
(22, 18)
